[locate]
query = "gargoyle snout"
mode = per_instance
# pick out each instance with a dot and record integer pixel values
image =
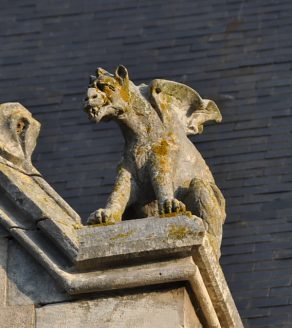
(95, 98)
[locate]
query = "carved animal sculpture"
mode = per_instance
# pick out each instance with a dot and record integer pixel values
(161, 171)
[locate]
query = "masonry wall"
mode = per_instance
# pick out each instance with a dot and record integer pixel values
(234, 52)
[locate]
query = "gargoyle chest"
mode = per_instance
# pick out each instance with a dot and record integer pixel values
(140, 156)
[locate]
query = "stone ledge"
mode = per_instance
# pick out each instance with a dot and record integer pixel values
(143, 239)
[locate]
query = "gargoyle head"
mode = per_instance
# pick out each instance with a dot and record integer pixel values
(107, 95)
(18, 134)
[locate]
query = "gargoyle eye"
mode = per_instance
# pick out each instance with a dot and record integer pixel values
(157, 90)
(20, 126)
(102, 86)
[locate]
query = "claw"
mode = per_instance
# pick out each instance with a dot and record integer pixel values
(168, 206)
(100, 216)
(171, 206)
(182, 207)
(175, 205)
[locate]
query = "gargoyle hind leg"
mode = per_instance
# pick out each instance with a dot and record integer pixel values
(205, 200)
(118, 200)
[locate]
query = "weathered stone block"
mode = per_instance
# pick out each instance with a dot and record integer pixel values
(151, 237)
(28, 281)
(164, 309)
(17, 316)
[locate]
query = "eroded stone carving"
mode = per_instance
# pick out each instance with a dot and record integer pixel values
(161, 171)
(27, 201)
(19, 132)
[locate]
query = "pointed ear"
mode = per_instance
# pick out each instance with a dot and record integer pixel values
(92, 78)
(122, 75)
(100, 71)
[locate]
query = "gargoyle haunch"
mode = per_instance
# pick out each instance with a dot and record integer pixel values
(161, 171)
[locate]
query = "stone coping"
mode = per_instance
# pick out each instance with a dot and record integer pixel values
(29, 202)
(149, 238)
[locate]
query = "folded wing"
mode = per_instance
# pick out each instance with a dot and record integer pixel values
(193, 111)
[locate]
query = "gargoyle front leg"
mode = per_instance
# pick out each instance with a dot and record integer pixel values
(162, 177)
(117, 202)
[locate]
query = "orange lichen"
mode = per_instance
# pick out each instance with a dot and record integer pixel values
(161, 148)
(125, 95)
(178, 231)
(104, 224)
(168, 215)
(117, 216)
(122, 235)
(148, 129)
(173, 214)
(77, 226)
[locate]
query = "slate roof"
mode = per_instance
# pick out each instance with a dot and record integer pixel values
(234, 52)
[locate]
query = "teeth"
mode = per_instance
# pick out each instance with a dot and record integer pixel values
(92, 111)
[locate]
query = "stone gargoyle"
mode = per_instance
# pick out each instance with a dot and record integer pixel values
(161, 172)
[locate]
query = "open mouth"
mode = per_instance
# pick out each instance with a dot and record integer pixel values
(92, 112)
(95, 113)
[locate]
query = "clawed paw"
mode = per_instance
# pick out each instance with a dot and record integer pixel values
(101, 216)
(171, 206)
